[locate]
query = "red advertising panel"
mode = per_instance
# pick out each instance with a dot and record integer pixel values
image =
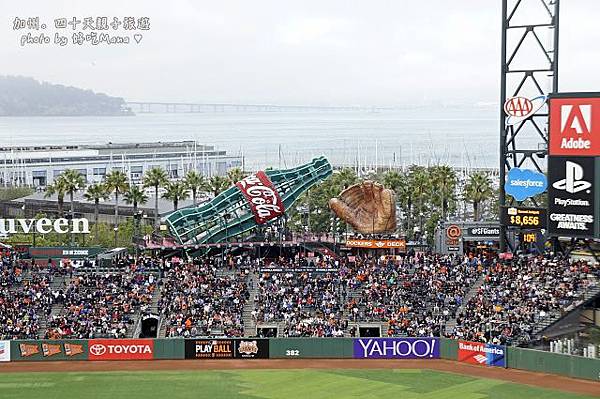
(121, 349)
(481, 353)
(575, 125)
(377, 244)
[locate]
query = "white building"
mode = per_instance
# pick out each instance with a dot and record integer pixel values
(37, 166)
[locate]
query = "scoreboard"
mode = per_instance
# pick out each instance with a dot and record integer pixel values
(523, 217)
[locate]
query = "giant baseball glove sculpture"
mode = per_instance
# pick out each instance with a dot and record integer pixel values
(367, 207)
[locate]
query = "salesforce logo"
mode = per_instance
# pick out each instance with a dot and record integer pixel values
(525, 183)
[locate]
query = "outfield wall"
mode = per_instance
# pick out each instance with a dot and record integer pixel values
(425, 348)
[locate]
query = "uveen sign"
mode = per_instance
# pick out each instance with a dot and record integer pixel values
(45, 226)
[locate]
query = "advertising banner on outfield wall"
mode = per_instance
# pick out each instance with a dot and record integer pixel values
(121, 349)
(49, 350)
(397, 348)
(4, 351)
(482, 354)
(226, 348)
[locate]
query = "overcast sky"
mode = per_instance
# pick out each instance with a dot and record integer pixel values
(295, 52)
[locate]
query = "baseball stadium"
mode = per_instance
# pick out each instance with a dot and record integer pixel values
(177, 270)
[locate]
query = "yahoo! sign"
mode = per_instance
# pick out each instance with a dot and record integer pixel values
(397, 348)
(44, 226)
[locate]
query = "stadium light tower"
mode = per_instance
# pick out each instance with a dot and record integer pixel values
(529, 69)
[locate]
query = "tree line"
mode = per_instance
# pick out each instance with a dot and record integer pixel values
(424, 196)
(116, 184)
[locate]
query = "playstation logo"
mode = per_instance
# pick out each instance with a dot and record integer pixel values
(573, 181)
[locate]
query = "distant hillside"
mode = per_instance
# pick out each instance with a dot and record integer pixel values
(22, 96)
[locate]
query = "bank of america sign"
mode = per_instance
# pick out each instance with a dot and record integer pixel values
(45, 226)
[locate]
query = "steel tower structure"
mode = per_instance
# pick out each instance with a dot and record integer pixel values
(529, 68)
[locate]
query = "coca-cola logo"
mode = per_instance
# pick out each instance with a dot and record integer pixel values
(262, 196)
(97, 349)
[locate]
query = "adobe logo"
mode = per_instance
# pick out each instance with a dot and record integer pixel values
(576, 118)
(575, 126)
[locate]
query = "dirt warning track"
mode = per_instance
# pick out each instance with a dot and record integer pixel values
(518, 376)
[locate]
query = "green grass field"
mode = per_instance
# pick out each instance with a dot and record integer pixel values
(313, 384)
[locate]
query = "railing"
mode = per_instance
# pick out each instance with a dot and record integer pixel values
(331, 348)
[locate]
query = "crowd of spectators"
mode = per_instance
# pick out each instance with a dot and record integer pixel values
(101, 304)
(22, 305)
(415, 295)
(308, 304)
(516, 295)
(196, 301)
(25, 297)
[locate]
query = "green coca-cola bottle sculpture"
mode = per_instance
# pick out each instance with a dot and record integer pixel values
(256, 200)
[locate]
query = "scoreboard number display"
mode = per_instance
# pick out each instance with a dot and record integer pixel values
(522, 217)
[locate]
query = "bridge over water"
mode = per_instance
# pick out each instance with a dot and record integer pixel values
(144, 107)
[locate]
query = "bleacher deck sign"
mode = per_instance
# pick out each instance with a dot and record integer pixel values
(376, 244)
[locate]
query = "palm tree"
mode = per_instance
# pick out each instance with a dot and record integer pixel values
(116, 181)
(176, 191)
(218, 184)
(234, 175)
(195, 182)
(73, 181)
(96, 192)
(397, 182)
(156, 177)
(419, 183)
(477, 191)
(135, 196)
(343, 179)
(444, 186)
(392, 179)
(57, 188)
